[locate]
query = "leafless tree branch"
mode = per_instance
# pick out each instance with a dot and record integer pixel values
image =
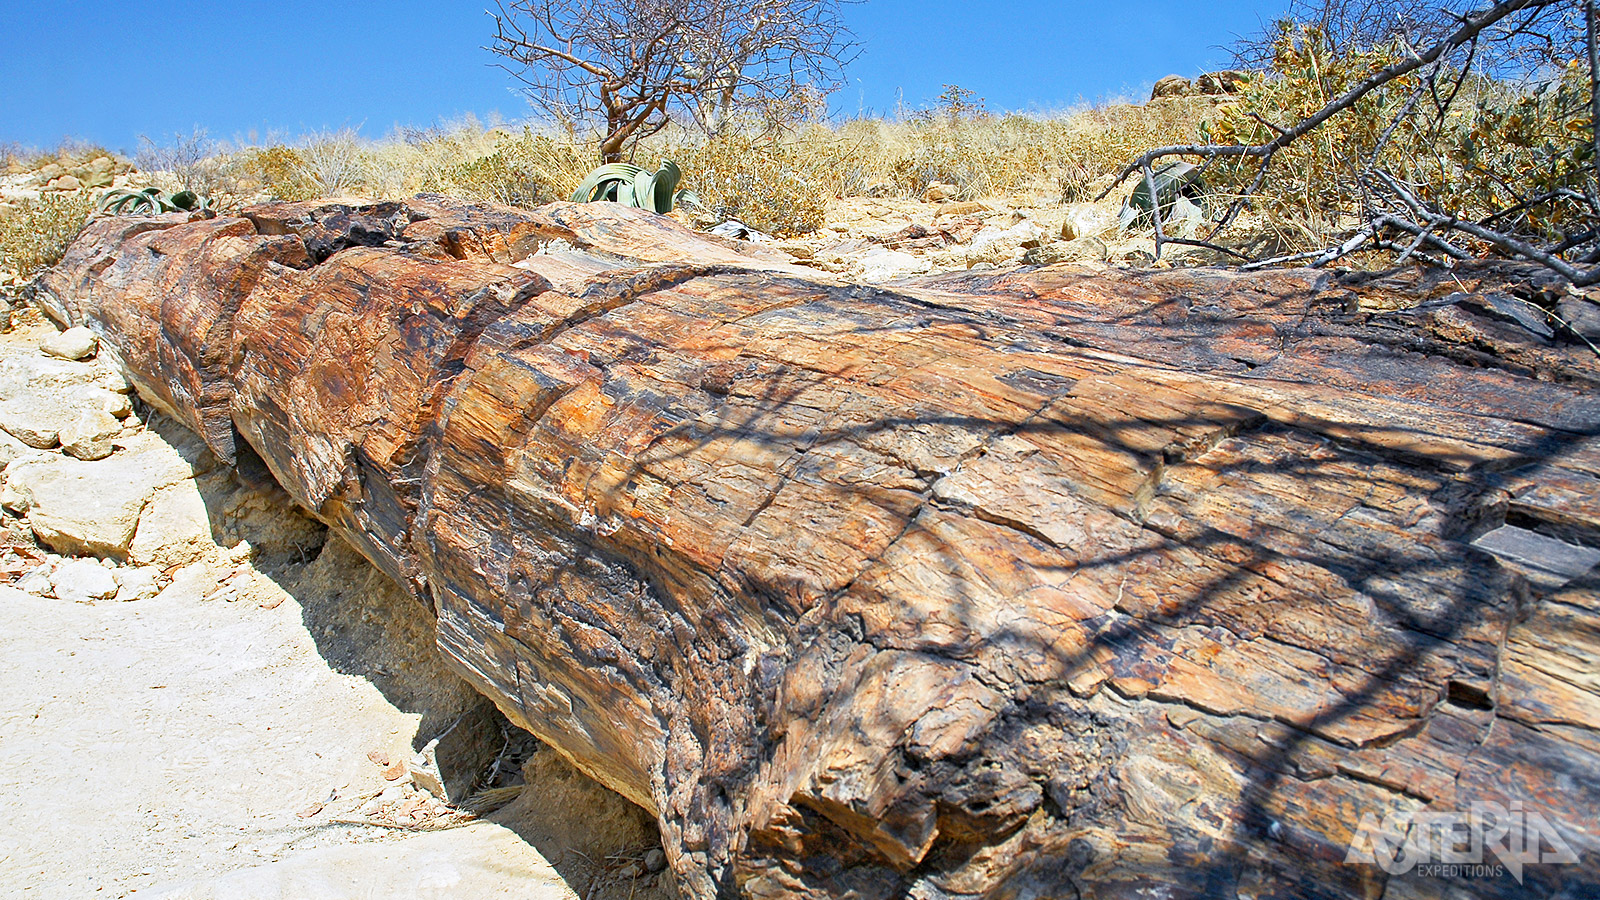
(628, 67)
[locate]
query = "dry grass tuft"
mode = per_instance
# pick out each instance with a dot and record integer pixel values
(37, 232)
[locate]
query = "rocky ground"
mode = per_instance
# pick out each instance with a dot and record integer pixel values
(96, 174)
(873, 240)
(205, 696)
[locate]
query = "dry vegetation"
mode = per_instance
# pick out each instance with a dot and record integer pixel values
(773, 180)
(1488, 148)
(1499, 143)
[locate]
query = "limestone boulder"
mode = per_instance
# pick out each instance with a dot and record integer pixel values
(880, 264)
(174, 528)
(42, 395)
(90, 435)
(136, 582)
(92, 508)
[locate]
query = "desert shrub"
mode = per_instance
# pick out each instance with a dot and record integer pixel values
(335, 162)
(519, 170)
(35, 234)
(769, 185)
(277, 171)
(192, 162)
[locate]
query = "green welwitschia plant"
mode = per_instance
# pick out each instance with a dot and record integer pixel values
(151, 201)
(631, 185)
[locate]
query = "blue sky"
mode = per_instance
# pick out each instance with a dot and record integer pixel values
(107, 71)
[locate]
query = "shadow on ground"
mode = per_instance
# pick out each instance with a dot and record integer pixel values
(364, 625)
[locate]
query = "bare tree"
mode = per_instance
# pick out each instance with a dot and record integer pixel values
(629, 66)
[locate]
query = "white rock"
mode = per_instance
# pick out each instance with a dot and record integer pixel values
(113, 380)
(995, 238)
(92, 508)
(138, 583)
(174, 529)
(1083, 220)
(117, 405)
(83, 580)
(89, 436)
(11, 448)
(37, 582)
(77, 342)
(881, 264)
(41, 395)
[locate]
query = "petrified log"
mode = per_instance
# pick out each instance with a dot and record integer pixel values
(1041, 583)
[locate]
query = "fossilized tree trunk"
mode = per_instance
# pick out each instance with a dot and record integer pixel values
(1040, 583)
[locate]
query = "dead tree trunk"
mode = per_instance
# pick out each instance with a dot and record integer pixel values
(1038, 583)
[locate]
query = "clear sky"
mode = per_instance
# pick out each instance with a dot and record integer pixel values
(108, 71)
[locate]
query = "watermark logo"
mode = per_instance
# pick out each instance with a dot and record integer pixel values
(1486, 841)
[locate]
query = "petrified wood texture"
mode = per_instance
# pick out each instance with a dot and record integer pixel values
(1042, 583)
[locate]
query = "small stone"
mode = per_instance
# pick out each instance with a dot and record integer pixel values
(115, 381)
(395, 772)
(118, 406)
(138, 583)
(1171, 86)
(960, 208)
(77, 342)
(90, 436)
(938, 191)
(37, 582)
(1082, 249)
(880, 264)
(655, 860)
(631, 871)
(66, 183)
(83, 581)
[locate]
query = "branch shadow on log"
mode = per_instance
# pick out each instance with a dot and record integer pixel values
(1431, 596)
